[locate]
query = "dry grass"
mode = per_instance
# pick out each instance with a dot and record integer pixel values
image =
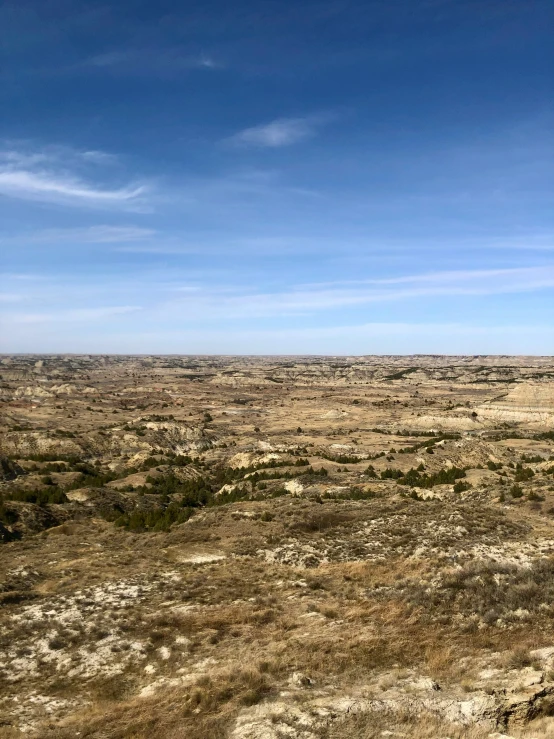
(417, 726)
(202, 711)
(490, 591)
(403, 724)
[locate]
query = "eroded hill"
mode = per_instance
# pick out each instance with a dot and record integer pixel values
(260, 548)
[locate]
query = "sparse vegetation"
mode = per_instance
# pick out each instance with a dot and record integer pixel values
(255, 545)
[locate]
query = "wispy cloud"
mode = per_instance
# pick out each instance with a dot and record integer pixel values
(24, 276)
(108, 59)
(55, 175)
(172, 299)
(77, 314)
(207, 62)
(277, 133)
(367, 338)
(98, 157)
(44, 185)
(22, 153)
(314, 298)
(89, 235)
(151, 61)
(467, 282)
(531, 242)
(167, 307)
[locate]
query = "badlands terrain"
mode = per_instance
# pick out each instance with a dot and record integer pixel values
(276, 548)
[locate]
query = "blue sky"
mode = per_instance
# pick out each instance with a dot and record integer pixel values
(331, 177)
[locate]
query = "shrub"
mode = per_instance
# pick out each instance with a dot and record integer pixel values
(518, 658)
(391, 474)
(461, 486)
(491, 590)
(414, 478)
(341, 458)
(523, 473)
(7, 515)
(40, 497)
(320, 521)
(157, 520)
(516, 491)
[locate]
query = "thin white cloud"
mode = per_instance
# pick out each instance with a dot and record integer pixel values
(311, 299)
(42, 185)
(55, 174)
(108, 59)
(98, 157)
(22, 159)
(277, 133)
(76, 314)
(151, 61)
(492, 280)
(22, 154)
(207, 62)
(539, 242)
(89, 235)
(181, 301)
(20, 276)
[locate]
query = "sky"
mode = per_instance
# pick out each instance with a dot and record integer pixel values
(309, 177)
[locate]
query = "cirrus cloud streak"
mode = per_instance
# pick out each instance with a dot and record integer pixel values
(62, 176)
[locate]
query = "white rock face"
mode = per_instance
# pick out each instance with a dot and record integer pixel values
(18, 443)
(32, 392)
(164, 652)
(78, 495)
(203, 557)
(525, 403)
(445, 423)
(299, 680)
(294, 487)
(334, 414)
(247, 459)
